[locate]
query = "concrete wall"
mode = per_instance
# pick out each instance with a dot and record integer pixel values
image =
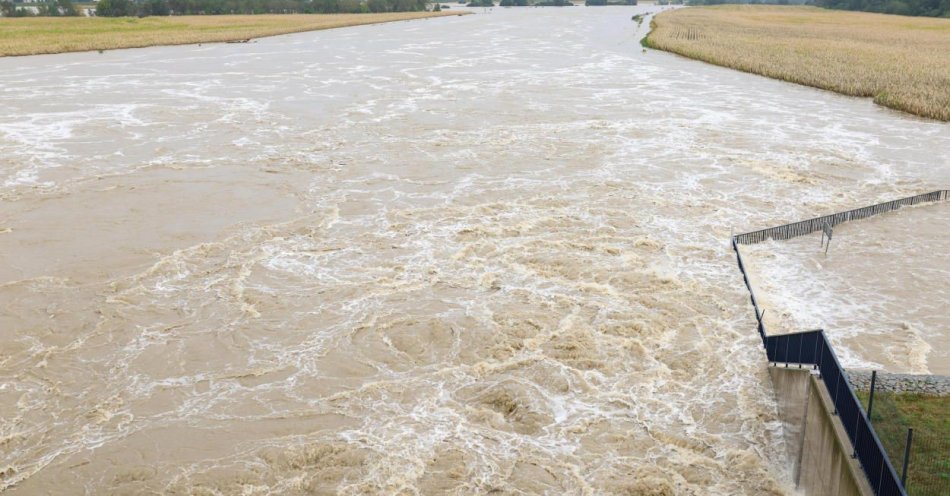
(818, 446)
(791, 394)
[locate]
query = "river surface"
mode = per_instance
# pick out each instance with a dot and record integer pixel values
(879, 290)
(462, 255)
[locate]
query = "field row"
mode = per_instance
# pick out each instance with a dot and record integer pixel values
(38, 35)
(901, 62)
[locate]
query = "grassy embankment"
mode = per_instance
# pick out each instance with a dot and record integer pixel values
(37, 35)
(902, 62)
(928, 472)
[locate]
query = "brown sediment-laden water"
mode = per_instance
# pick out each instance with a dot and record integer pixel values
(471, 255)
(880, 289)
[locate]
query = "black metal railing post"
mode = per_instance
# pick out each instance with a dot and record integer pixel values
(854, 444)
(871, 395)
(787, 341)
(771, 356)
(801, 344)
(837, 383)
(880, 480)
(910, 439)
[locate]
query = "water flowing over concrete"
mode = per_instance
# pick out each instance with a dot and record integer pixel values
(891, 317)
(460, 255)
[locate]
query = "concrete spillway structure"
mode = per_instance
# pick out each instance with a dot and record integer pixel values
(818, 445)
(831, 440)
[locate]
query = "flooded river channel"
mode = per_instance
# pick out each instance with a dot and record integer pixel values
(459, 255)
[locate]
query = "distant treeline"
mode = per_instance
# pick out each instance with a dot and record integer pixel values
(521, 3)
(122, 8)
(751, 2)
(610, 2)
(142, 8)
(927, 8)
(55, 8)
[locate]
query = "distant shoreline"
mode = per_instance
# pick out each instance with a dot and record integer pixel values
(51, 35)
(901, 62)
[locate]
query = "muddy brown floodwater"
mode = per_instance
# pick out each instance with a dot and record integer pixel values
(468, 255)
(880, 292)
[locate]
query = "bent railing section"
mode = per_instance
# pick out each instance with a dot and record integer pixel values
(809, 226)
(812, 348)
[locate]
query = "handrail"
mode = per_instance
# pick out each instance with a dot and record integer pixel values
(801, 228)
(813, 348)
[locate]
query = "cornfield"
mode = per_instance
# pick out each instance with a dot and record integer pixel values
(37, 35)
(901, 62)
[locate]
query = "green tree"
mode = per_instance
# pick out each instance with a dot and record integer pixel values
(66, 8)
(114, 8)
(155, 8)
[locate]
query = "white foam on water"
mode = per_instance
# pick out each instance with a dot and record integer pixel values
(876, 319)
(506, 268)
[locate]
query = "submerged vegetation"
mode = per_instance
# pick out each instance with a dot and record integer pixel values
(38, 35)
(901, 62)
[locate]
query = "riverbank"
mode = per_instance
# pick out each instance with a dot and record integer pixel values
(901, 62)
(896, 410)
(925, 384)
(45, 35)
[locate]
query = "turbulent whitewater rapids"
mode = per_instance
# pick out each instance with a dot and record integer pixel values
(476, 254)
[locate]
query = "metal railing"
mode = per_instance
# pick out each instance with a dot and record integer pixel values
(809, 226)
(812, 348)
